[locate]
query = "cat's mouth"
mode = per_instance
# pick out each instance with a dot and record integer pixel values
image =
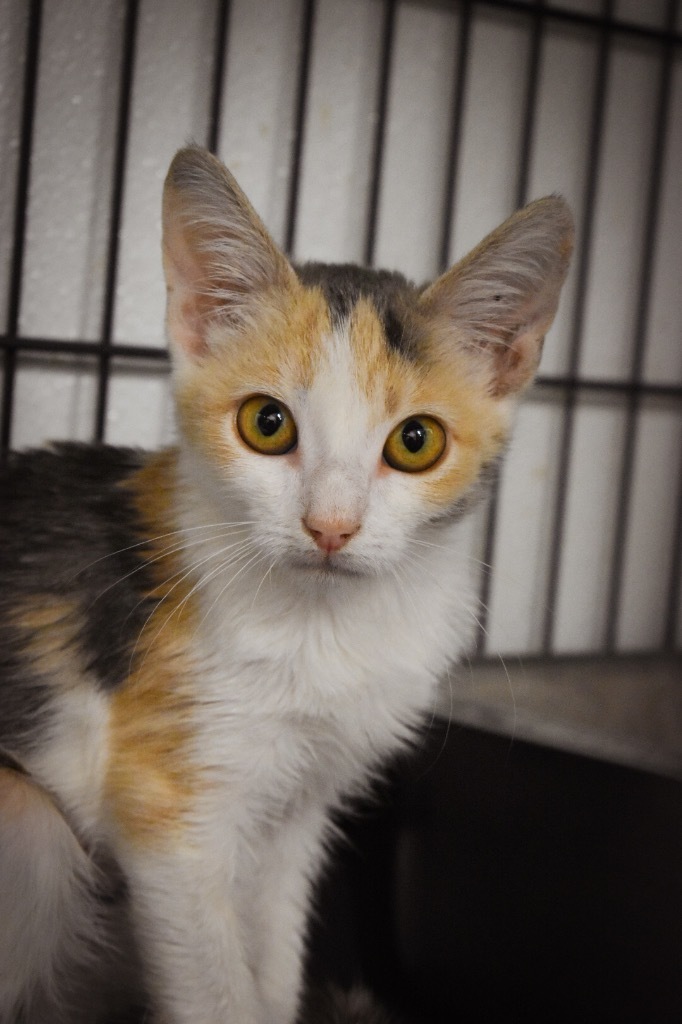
(329, 566)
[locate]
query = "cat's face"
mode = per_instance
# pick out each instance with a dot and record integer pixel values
(340, 412)
(337, 447)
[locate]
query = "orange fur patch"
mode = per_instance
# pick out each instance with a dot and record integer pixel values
(441, 385)
(50, 626)
(476, 427)
(151, 782)
(381, 373)
(280, 353)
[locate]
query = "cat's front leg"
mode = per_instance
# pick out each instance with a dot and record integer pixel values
(281, 908)
(191, 940)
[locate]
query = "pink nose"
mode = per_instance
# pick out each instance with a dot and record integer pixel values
(329, 535)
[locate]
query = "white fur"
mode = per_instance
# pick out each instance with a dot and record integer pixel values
(308, 680)
(58, 963)
(305, 680)
(72, 760)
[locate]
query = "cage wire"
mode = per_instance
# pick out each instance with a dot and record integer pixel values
(393, 133)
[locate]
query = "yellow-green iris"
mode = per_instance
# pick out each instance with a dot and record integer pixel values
(266, 425)
(415, 444)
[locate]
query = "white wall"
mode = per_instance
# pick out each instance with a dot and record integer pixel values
(69, 209)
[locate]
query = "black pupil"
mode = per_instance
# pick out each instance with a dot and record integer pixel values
(270, 419)
(414, 436)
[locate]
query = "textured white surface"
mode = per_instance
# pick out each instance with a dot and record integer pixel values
(590, 526)
(411, 197)
(339, 131)
(652, 530)
(620, 213)
(69, 209)
(522, 542)
(71, 170)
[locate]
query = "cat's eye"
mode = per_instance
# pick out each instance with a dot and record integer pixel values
(266, 425)
(416, 444)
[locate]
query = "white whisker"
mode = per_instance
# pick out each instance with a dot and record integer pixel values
(259, 556)
(154, 539)
(267, 573)
(165, 553)
(464, 605)
(182, 576)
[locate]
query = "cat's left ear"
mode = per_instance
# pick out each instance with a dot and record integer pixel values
(218, 258)
(499, 301)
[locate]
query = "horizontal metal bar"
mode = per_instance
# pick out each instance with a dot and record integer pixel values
(616, 387)
(596, 22)
(65, 346)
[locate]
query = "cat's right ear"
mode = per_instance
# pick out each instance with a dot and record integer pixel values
(219, 260)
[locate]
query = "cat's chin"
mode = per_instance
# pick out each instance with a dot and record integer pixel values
(329, 569)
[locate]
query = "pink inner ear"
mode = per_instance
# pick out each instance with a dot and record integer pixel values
(189, 328)
(185, 315)
(516, 362)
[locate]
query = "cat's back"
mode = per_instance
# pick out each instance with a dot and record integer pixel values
(74, 578)
(63, 502)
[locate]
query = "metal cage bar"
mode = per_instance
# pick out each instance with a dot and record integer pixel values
(385, 63)
(118, 183)
(566, 388)
(583, 261)
(222, 19)
(633, 399)
(8, 343)
(524, 158)
(455, 142)
(306, 49)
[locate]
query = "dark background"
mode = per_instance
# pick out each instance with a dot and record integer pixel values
(498, 880)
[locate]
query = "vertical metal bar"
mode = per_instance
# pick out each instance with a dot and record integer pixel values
(19, 226)
(583, 273)
(528, 131)
(675, 583)
(307, 26)
(530, 103)
(385, 64)
(120, 152)
(455, 144)
(219, 59)
(643, 303)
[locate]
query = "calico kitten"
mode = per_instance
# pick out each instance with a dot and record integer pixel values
(205, 650)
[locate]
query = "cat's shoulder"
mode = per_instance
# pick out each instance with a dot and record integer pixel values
(63, 506)
(68, 466)
(72, 551)
(65, 483)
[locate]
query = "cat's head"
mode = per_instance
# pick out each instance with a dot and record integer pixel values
(338, 409)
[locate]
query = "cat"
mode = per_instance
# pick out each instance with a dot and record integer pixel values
(207, 650)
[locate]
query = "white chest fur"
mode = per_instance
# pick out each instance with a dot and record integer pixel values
(310, 686)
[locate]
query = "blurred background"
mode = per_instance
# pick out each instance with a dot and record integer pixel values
(397, 133)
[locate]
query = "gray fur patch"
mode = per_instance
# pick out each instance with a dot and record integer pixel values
(392, 295)
(68, 532)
